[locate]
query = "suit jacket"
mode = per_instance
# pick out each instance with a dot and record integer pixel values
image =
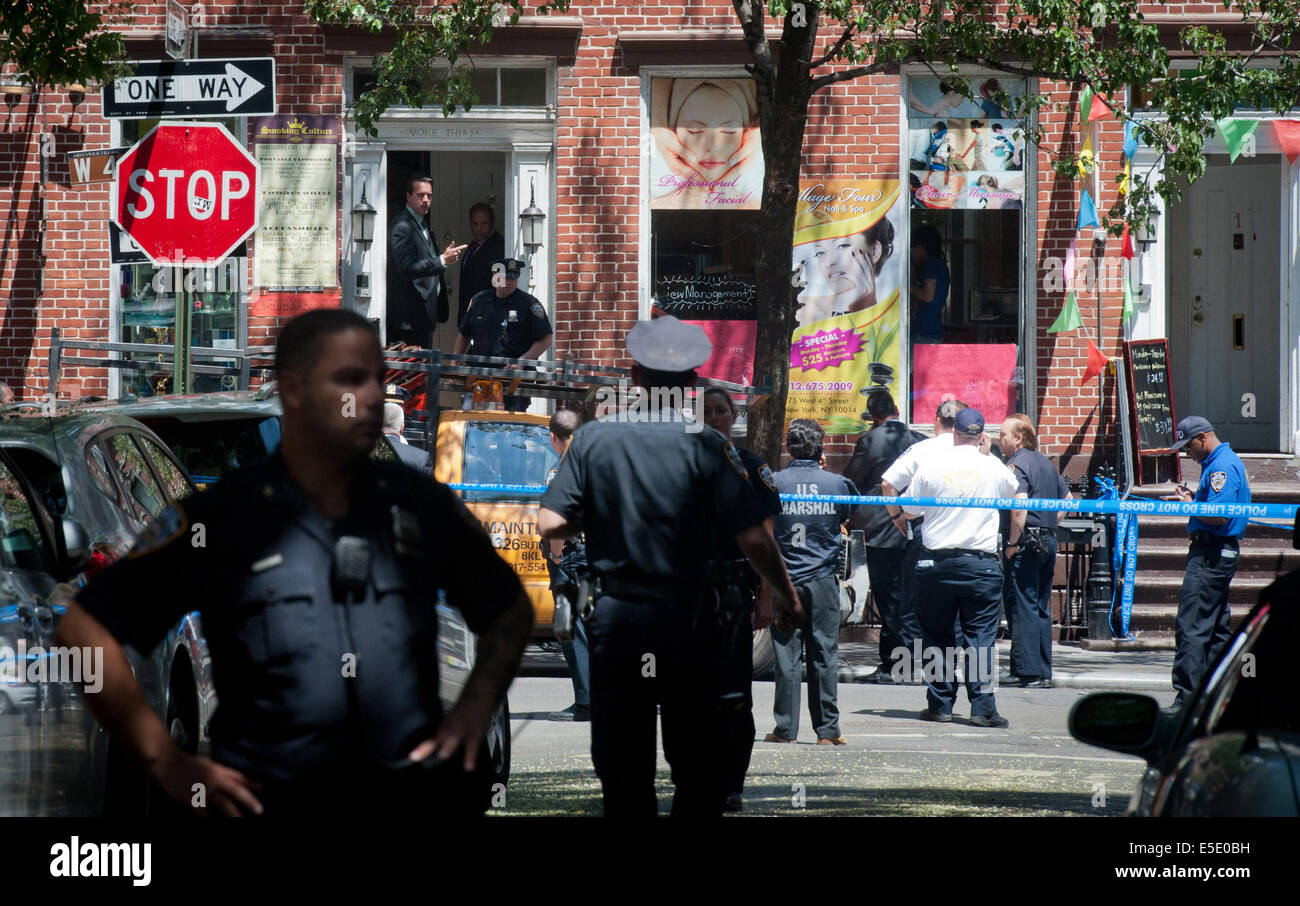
(412, 456)
(476, 271)
(873, 454)
(414, 275)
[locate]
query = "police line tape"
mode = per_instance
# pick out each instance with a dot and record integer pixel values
(1136, 506)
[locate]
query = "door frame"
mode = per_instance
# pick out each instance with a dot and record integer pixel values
(1152, 321)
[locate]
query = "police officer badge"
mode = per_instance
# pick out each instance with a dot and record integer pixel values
(537, 310)
(733, 457)
(765, 473)
(1218, 480)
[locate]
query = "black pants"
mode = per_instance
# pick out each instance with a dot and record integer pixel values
(909, 624)
(966, 587)
(820, 635)
(885, 567)
(647, 652)
(1027, 593)
(737, 643)
(1202, 630)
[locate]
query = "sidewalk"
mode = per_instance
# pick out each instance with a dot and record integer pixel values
(1072, 666)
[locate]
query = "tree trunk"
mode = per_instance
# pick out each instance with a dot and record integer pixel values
(783, 133)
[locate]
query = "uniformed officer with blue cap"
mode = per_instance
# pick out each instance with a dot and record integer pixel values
(652, 493)
(505, 321)
(1202, 629)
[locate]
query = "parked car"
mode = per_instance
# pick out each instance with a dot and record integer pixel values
(77, 490)
(1233, 748)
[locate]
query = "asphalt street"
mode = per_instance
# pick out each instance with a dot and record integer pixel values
(894, 763)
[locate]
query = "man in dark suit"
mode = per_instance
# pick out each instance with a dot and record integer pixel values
(394, 419)
(476, 264)
(415, 268)
(875, 452)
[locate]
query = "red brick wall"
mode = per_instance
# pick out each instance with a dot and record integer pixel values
(853, 130)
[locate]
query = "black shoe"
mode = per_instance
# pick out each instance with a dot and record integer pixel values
(575, 713)
(733, 803)
(881, 676)
(1041, 683)
(1008, 679)
(927, 714)
(992, 720)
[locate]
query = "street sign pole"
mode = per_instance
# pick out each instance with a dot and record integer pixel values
(182, 380)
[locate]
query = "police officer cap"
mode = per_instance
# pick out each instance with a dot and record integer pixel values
(512, 267)
(395, 393)
(667, 344)
(1189, 428)
(971, 422)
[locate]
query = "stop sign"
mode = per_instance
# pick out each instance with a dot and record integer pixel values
(187, 194)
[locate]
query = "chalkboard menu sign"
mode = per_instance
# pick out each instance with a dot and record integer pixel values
(1151, 406)
(732, 297)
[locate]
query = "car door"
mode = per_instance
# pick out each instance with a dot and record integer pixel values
(27, 566)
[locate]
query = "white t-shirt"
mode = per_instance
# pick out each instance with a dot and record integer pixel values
(900, 474)
(963, 471)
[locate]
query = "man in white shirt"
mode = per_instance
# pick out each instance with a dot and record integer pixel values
(958, 574)
(894, 482)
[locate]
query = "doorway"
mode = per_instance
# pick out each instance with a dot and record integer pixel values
(1224, 263)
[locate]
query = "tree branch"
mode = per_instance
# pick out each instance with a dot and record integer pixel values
(751, 23)
(839, 45)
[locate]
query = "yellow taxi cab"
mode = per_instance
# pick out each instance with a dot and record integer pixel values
(496, 447)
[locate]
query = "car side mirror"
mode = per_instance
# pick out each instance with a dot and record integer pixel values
(76, 547)
(1120, 721)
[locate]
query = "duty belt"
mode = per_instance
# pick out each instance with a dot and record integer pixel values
(1211, 538)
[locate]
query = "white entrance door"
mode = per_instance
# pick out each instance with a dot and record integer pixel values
(1224, 317)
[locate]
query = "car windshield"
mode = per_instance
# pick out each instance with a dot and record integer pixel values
(506, 453)
(211, 448)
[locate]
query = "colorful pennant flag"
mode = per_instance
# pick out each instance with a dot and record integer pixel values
(1128, 174)
(1125, 244)
(1130, 139)
(1087, 212)
(1096, 363)
(1069, 318)
(1236, 135)
(1085, 104)
(1098, 109)
(1288, 136)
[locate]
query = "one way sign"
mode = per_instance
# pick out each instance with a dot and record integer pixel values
(193, 88)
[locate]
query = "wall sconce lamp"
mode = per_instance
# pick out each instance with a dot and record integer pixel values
(1146, 233)
(76, 94)
(13, 93)
(363, 218)
(531, 220)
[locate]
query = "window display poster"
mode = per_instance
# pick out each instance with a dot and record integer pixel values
(725, 307)
(848, 253)
(978, 374)
(707, 151)
(295, 245)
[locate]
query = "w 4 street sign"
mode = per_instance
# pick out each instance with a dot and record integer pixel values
(193, 89)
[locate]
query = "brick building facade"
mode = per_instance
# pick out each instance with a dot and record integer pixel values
(565, 121)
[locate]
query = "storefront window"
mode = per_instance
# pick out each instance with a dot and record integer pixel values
(706, 181)
(147, 304)
(967, 184)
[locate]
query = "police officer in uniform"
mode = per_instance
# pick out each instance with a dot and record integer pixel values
(1202, 629)
(1030, 555)
(652, 493)
(316, 572)
(958, 575)
(739, 580)
(506, 321)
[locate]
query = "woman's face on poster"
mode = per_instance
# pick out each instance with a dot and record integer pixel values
(847, 265)
(711, 126)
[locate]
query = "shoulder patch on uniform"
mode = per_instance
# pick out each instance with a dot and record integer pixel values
(550, 476)
(765, 473)
(170, 525)
(1218, 480)
(733, 457)
(537, 310)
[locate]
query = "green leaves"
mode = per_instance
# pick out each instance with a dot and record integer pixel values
(62, 42)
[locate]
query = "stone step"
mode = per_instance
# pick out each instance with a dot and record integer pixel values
(1171, 556)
